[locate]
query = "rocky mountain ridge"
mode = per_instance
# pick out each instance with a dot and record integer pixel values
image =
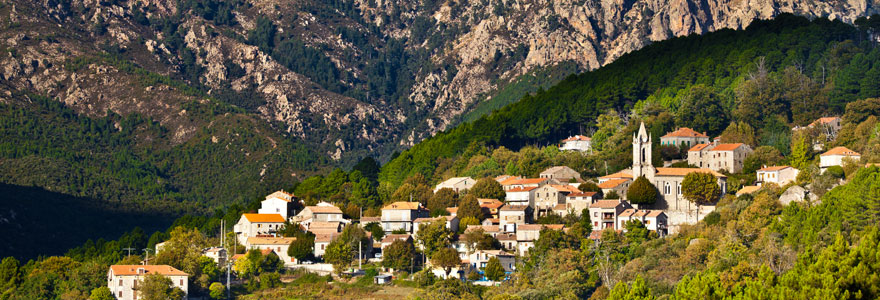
(350, 78)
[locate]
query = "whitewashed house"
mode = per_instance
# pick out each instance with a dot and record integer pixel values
(457, 184)
(124, 281)
(654, 220)
(277, 244)
(480, 258)
(451, 223)
(400, 216)
(322, 240)
(604, 213)
(684, 137)
(253, 225)
(521, 196)
(576, 143)
(279, 202)
(834, 157)
(217, 254)
(509, 216)
(780, 175)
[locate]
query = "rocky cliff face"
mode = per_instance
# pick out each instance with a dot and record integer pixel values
(395, 72)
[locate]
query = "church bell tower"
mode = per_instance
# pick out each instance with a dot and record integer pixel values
(642, 165)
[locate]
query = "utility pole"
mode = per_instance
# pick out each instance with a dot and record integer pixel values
(147, 257)
(228, 276)
(360, 243)
(129, 251)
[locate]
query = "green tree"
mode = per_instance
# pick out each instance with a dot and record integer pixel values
(263, 35)
(158, 287)
(183, 250)
(739, 132)
(442, 199)
(642, 191)
(338, 253)
(376, 229)
(301, 248)
(468, 221)
(494, 271)
(270, 280)
(638, 290)
(487, 188)
(479, 240)
(101, 293)
(470, 207)
(700, 188)
(763, 155)
(433, 236)
(800, 152)
(446, 258)
(612, 195)
(701, 109)
(399, 255)
(10, 276)
(217, 291)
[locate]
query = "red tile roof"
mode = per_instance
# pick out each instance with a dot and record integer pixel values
(148, 269)
(514, 207)
(584, 194)
(324, 209)
(726, 147)
(824, 120)
(613, 183)
(521, 189)
(841, 151)
(490, 203)
(685, 132)
(576, 138)
(606, 204)
(620, 174)
(698, 147)
(773, 169)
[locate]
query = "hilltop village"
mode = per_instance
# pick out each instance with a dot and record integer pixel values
(482, 241)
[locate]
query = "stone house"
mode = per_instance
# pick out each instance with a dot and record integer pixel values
(480, 258)
(217, 254)
(654, 220)
(576, 143)
(780, 175)
(452, 223)
(563, 174)
(389, 239)
(619, 186)
(684, 137)
(253, 225)
(490, 207)
(604, 213)
(457, 184)
(514, 183)
(322, 240)
(279, 245)
(527, 234)
(835, 157)
(576, 202)
(719, 157)
(323, 212)
(279, 202)
(124, 280)
(509, 216)
(400, 216)
(547, 197)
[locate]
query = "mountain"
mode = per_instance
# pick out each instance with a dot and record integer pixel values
(348, 78)
(772, 76)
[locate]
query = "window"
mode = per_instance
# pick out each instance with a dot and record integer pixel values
(667, 189)
(120, 294)
(259, 225)
(120, 282)
(322, 246)
(181, 282)
(679, 188)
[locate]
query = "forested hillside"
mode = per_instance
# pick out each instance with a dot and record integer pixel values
(777, 73)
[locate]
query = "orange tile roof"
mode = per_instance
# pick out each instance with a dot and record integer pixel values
(270, 240)
(841, 151)
(325, 237)
(627, 212)
(531, 181)
(486, 228)
(685, 132)
(502, 178)
(403, 205)
(620, 174)
(655, 213)
(522, 189)
(726, 147)
(773, 168)
(281, 194)
(393, 237)
(565, 188)
(321, 209)
(576, 138)
(824, 120)
(698, 147)
(264, 218)
(685, 171)
(148, 269)
(324, 225)
(490, 203)
(606, 203)
(452, 210)
(748, 189)
(613, 183)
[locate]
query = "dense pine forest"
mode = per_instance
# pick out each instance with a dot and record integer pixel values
(751, 85)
